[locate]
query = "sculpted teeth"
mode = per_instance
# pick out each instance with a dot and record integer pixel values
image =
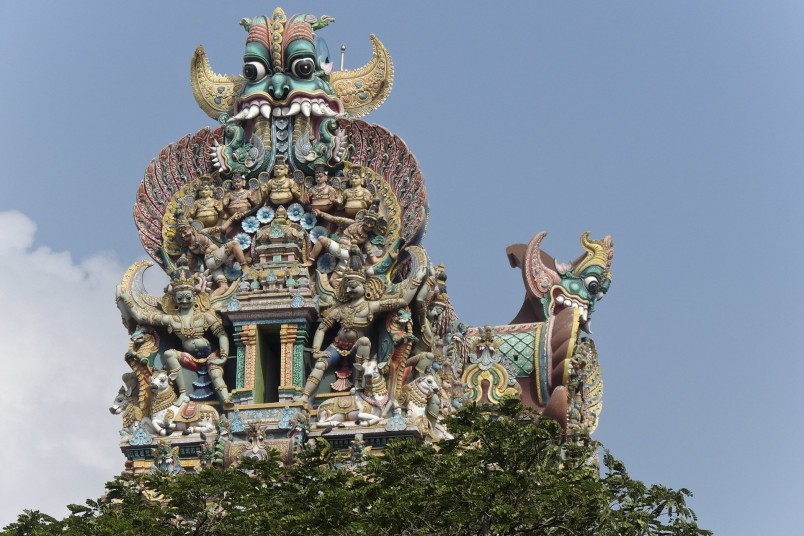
(242, 115)
(253, 111)
(567, 302)
(308, 107)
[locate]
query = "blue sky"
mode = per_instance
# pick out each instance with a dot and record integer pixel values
(675, 127)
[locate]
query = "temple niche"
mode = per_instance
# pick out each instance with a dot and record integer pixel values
(301, 300)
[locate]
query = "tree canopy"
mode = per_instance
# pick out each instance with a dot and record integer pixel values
(506, 472)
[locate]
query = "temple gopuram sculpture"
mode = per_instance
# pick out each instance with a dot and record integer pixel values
(302, 304)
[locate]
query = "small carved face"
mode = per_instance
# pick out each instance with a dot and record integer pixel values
(160, 382)
(185, 299)
(355, 180)
(428, 385)
(370, 223)
(238, 182)
(369, 368)
(281, 171)
(403, 316)
(354, 290)
(582, 291)
(205, 191)
(118, 403)
(321, 177)
(186, 234)
(436, 310)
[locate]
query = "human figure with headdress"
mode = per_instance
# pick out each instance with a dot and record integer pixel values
(190, 324)
(361, 299)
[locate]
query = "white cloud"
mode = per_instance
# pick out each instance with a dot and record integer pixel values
(63, 347)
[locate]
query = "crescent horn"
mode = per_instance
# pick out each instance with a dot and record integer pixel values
(214, 93)
(599, 252)
(365, 89)
(538, 277)
(131, 294)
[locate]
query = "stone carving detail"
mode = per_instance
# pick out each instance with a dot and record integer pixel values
(301, 303)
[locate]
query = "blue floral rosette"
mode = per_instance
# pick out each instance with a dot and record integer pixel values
(308, 221)
(317, 232)
(244, 240)
(265, 215)
(295, 212)
(251, 224)
(326, 263)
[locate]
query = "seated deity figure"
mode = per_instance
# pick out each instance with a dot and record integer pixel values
(357, 232)
(205, 209)
(357, 197)
(360, 300)
(280, 189)
(215, 256)
(238, 201)
(321, 196)
(189, 323)
(281, 227)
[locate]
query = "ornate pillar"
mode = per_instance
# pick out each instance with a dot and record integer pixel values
(292, 339)
(246, 341)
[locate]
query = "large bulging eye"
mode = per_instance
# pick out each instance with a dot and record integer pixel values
(303, 67)
(254, 70)
(591, 283)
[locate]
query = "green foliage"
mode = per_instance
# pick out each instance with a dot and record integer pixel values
(504, 473)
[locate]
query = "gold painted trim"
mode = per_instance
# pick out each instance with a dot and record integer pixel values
(375, 80)
(215, 93)
(576, 315)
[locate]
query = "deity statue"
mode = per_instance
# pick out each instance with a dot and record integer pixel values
(205, 209)
(321, 196)
(355, 315)
(187, 314)
(376, 314)
(238, 201)
(368, 223)
(357, 197)
(215, 255)
(280, 189)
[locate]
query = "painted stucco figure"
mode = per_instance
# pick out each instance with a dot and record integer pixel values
(299, 289)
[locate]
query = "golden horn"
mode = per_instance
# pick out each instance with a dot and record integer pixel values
(214, 93)
(597, 254)
(365, 89)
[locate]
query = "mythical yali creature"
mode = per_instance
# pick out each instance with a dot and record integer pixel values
(292, 231)
(551, 286)
(288, 81)
(559, 301)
